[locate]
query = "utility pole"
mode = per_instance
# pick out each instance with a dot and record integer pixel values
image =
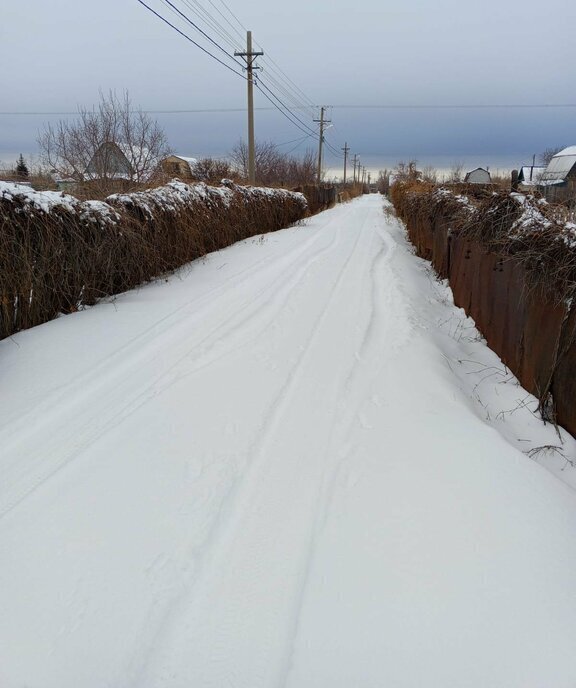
(249, 57)
(354, 178)
(323, 122)
(345, 149)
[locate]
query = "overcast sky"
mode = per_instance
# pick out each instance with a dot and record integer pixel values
(56, 56)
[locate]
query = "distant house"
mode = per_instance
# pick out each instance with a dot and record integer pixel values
(179, 166)
(558, 181)
(120, 161)
(478, 176)
(529, 175)
(110, 162)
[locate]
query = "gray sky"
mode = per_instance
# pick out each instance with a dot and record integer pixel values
(57, 55)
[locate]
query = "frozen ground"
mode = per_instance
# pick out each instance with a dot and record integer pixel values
(296, 465)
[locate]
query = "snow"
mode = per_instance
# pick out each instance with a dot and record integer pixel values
(295, 464)
(559, 166)
(570, 150)
(530, 175)
(48, 201)
(189, 160)
(177, 195)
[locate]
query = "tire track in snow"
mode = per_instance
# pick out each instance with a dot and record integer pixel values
(377, 344)
(64, 443)
(248, 513)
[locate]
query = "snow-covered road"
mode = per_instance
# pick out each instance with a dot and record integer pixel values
(283, 467)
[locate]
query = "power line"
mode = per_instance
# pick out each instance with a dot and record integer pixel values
(300, 140)
(146, 112)
(201, 12)
(18, 113)
(296, 103)
(286, 114)
(168, 2)
(297, 145)
(236, 19)
(190, 39)
(285, 107)
(486, 106)
(297, 89)
(279, 104)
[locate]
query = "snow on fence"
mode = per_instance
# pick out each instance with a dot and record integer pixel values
(59, 254)
(511, 262)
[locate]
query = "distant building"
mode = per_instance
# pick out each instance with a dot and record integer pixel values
(122, 162)
(179, 166)
(478, 176)
(110, 162)
(558, 181)
(530, 175)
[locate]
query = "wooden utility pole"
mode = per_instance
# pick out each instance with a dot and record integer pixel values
(345, 149)
(249, 57)
(354, 178)
(323, 122)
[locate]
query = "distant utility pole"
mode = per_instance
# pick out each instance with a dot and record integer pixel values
(354, 178)
(323, 122)
(345, 149)
(249, 57)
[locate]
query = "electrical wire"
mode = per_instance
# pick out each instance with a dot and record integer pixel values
(272, 97)
(201, 12)
(187, 19)
(190, 39)
(284, 112)
(296, 146)
(286, 143)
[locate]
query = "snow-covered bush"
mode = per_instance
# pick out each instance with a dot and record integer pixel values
(59, 254)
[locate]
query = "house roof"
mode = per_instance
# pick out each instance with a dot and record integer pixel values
(126, 161)
(560, 165)
(530, 174)
(190, 161)
(478, 172)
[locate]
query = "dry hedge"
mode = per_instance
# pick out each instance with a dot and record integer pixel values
(59, 254)
(514, 226)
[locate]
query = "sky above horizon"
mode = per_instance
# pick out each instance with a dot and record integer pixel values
(391, 73)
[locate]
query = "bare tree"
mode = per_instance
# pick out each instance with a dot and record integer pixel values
(213, 170)
(407, 171)
(548, 154)
(274, 168)
(109, 142)
(384, 181)
(456, 173)
(430, 174)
